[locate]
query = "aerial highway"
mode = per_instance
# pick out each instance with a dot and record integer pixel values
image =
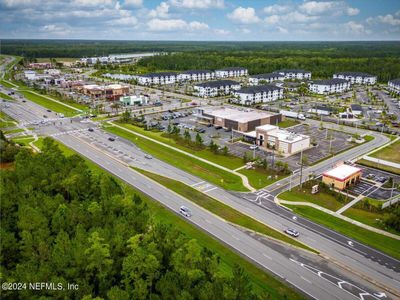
(316, 281)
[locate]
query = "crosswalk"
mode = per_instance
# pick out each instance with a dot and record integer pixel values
(68, 132)
(43, 121)
(204, 187)
(260, 195)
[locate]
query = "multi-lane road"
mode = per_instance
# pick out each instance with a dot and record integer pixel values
(316, 277)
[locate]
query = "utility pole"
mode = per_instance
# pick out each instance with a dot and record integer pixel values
(301, 169)
(391, 192)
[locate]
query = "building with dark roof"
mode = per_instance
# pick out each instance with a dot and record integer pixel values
(216, 88)
(265, 78)
(356, 77)
(259, 94)
(321, 110)
(294, 74)
(157, 78)
(329, 86)
(231, 72)
(196, 75)
(356, 109)
(394, 85)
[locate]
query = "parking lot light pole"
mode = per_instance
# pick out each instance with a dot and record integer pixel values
(301, 168)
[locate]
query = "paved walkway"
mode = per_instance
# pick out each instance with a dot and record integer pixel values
(335, 214)
(382, 161)
(350, 204)
(245, 180)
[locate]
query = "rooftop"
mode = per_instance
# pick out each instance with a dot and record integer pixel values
(232, 69)
(159, 74)
(241, 116)
(330, 81)
(196, 72)
(267, 75)
(282, 134)
(395, 81)
(292, 71)
(258, 89)
(342, 172)
(217, 83)
(356, 107)
(354, 74)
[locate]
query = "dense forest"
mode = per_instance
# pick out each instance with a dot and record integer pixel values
(61, 223)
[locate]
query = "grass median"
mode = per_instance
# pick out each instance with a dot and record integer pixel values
(6, 97)
(220, 209)
(389, 153)
(186, 163)
(378, 241)
(379, 166)
(264, 283)
(47, 103)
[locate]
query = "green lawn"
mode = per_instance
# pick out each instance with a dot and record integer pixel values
(390, 153)
(54, 106)
(262, 281)
(6, 97)
(6, 84)
(288, 123)
(258, 178)
(24, 140)
(224, 211)
(379, 166)
(230, 161)
(383, 243)
(6, 120)
(304, 195)
(16, 130)
(198, 168)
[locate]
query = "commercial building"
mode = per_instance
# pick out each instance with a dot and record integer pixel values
(216, 88)
(329, 86)
(30, 75)
(110, 92)
(394, 85)
(157, 78)
(356, 109)
(196, 75)
(40, 65)
(265, 78)
(294, 74)
(356, 77)
(134, 100)
(235, 118)
(341, 176)
(52, 72)
(284, 141)
(231, 72)
(321, 110)
(259, 94)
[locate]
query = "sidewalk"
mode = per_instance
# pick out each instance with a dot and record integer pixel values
(245, 180)
(335, 214)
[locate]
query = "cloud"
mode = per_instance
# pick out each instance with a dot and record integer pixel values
(133, 3)
(328, 8)
(175, 25)
(244, 15)
(92, 3)
(290, 18)
(355, 28)
(222, 31)
(274, 19)
(55, 29)
(161, 11)
(17, 3)
(389, 19)
(129, 21)
(282, 30)
(198, 4)
(276, 9)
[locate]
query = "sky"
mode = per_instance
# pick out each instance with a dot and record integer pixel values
(230, 20)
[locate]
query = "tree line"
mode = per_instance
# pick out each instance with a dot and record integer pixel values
(62, 223)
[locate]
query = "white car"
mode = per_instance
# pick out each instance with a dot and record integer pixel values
(292, 232)
(253, 147)
(185, 211)
(148, 156)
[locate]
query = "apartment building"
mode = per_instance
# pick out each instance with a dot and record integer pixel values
(259, 94)
(394, 85)
(216, 88)
(265, 78)
(294, 74)
(196, 75)
(357, 77)
(157, 78)
(231, 72)
(329, 86)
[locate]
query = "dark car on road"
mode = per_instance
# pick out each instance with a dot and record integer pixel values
(111, 139)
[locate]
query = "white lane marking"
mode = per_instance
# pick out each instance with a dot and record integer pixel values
(209, 190)
(305, 279)
(235, 237)
(208, 221)
(197, 183)
(269, 257)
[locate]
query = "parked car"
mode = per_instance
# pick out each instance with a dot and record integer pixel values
(253, 147)
(292, 232)
(148, 156)
(23, 100)
(185, 211)
(91, 129)
(49, 110)
(218, 127)
(111, 139)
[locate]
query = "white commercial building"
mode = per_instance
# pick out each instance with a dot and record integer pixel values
(356, 77)
(265, 78)
(30, 75)
(284, 141)
(329, 86)
(321, 110)
(196, 75)
(134, 100)
(52, 72)
(231, 72)
(216, 88)
(394, 85)
(259, 94)
(295, 74)
(157, 78)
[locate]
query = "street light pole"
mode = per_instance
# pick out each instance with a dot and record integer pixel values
(301, 169)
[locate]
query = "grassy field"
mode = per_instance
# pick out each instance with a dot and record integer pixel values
(288, 123)
(262, 281)
(390, 153)
(383, 243)
(6, 84)
(6, 97)
(379, 166)
(304, 195)
(16, 130)
(258, 178)
(24, 141)
(198, 168)
(224, 211)
(6, 121)
(230, 162)
(54, 106)
(58, 59)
